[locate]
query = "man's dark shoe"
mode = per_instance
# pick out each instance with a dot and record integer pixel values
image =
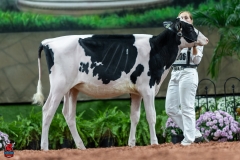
(199, 139)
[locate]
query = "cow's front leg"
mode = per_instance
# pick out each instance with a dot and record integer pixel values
(69, 112)
(135, 115)
(148, 98)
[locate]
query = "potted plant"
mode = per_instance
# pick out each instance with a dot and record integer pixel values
(35, 123)
(218, 126)
(122, 128)
(59, 133)
(172, 130)
(160, 124)
(5, 132)
(66, 141)
(84, 130)
(105, 126)
(3, 140)
(26, 130)
(142, 132)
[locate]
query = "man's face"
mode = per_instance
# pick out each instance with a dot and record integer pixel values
(186, 17)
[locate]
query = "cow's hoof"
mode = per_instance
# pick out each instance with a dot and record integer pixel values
(44, 149)
(82, 148)
(154, 143)
(132, 143)
(131, 146)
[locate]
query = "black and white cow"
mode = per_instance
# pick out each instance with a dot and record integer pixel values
(104, 66)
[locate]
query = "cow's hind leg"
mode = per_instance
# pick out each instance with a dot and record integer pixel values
(69, 112)
(48, 112)
(57, 91)
(148, 98)
(135, 115)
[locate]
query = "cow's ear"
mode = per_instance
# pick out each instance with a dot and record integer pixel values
(167, 24)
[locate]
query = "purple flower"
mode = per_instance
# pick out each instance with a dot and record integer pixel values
(173, 132)
(217, 125)
(207, 132)
(214, 127)
(220, 120)
(172, 128)
(3, 139)
(217, 133)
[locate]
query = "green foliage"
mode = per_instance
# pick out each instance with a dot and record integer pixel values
(12, 21)
(108, 124)
(9, 111)
(25, 129)
(4, 127)
(83, 128)
(224, 16)
(111, 122)
(58, 131)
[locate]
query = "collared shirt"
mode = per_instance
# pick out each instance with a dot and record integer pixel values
(194, 59)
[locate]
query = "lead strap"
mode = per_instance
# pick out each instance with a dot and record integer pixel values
(188, 56)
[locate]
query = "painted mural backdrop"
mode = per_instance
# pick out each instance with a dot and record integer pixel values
(42, 15)
(25, 23)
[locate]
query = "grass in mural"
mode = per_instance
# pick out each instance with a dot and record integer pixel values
(20, 21)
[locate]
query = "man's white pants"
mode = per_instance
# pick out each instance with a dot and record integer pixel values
(181, 92)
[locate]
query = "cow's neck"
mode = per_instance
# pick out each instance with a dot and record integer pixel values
(164, 50)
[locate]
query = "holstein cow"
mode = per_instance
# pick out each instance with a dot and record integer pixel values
(104, 66)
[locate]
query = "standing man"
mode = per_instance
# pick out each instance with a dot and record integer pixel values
(182, 89)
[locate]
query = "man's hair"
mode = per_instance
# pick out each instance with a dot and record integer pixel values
(190, 14)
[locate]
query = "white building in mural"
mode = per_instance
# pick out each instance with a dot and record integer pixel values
(80, 7)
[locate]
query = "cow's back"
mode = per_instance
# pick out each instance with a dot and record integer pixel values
(102, 66)
(115, 65)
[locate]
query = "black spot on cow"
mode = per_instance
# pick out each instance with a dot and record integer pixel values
(49, 57)
(84, 67)
(110, 55)
(164, 48)
(138, 71)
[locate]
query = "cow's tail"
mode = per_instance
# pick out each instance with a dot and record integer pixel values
(38, 97)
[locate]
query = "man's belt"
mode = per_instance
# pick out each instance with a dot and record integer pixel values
(182, 67)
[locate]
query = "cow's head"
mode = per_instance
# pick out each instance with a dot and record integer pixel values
(190, 36)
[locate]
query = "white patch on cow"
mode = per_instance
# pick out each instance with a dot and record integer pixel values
(185, 44)
(98, 63)
(202, 40)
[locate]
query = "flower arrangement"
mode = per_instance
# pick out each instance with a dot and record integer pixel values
(3, 140)
(217, 125)
(171, 128)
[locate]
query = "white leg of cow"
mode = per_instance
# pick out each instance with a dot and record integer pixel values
(148, 98)
(48, 112)
(44, 136)
(56, 94)
(69, 112)
(135, 115)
